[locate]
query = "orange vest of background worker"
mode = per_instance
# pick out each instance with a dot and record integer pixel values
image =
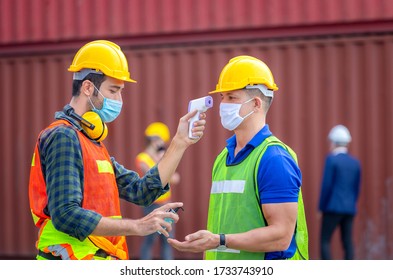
(156, 136)
(97, 181)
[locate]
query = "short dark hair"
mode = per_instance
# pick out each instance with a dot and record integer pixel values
(96, 79)
(266, 100)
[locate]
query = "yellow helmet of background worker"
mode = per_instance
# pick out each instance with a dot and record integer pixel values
(102, 56)
(242, 71)
(158, 129)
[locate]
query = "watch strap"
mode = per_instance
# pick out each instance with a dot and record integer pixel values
(222, 239)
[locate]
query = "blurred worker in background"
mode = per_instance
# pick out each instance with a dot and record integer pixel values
(256, 208)
(339, 192)
(157, 136)
(75, 185)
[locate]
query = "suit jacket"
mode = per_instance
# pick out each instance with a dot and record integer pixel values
(340, 184)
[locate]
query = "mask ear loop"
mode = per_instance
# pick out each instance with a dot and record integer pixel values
(91, 102)
(98, 91)
(249, 114)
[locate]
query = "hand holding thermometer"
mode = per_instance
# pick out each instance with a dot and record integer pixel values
(202, 105)
(169, 220)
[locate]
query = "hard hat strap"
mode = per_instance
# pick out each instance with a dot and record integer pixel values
(265, 91)
(84, 72)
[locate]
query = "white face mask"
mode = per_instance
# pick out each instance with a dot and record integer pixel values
(229, 113)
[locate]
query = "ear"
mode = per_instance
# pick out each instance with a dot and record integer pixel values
(87, 88)
(257, 103)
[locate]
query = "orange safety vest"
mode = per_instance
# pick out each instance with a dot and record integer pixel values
(147, 159)
(100, 195)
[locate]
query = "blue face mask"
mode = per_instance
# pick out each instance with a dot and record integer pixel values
(110, 108)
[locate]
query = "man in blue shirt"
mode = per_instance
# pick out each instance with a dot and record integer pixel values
(339, 192)
(253, 210)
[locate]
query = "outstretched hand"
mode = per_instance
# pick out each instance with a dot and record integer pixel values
(196, 242)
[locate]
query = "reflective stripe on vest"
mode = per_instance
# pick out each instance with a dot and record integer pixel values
(100, 195)
(147, 159)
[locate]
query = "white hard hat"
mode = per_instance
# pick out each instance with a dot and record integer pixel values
(340, 134)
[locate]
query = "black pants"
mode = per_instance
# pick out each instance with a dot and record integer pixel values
(330, 221)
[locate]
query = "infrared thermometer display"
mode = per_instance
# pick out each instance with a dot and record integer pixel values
(202, 105)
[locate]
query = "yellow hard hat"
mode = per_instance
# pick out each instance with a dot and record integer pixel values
(158, 129)
(102, 56)
(242, 71)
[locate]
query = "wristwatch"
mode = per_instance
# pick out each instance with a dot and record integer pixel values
(222, 245)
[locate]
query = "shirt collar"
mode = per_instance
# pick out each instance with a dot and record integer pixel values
(340, 150)
(255, 141)
(60, 115)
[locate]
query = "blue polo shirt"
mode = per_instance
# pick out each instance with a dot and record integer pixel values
(279, 177)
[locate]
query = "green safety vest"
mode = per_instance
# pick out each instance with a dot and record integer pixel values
(234, 205)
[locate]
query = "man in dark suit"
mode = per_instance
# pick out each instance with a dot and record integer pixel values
(339, 192)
